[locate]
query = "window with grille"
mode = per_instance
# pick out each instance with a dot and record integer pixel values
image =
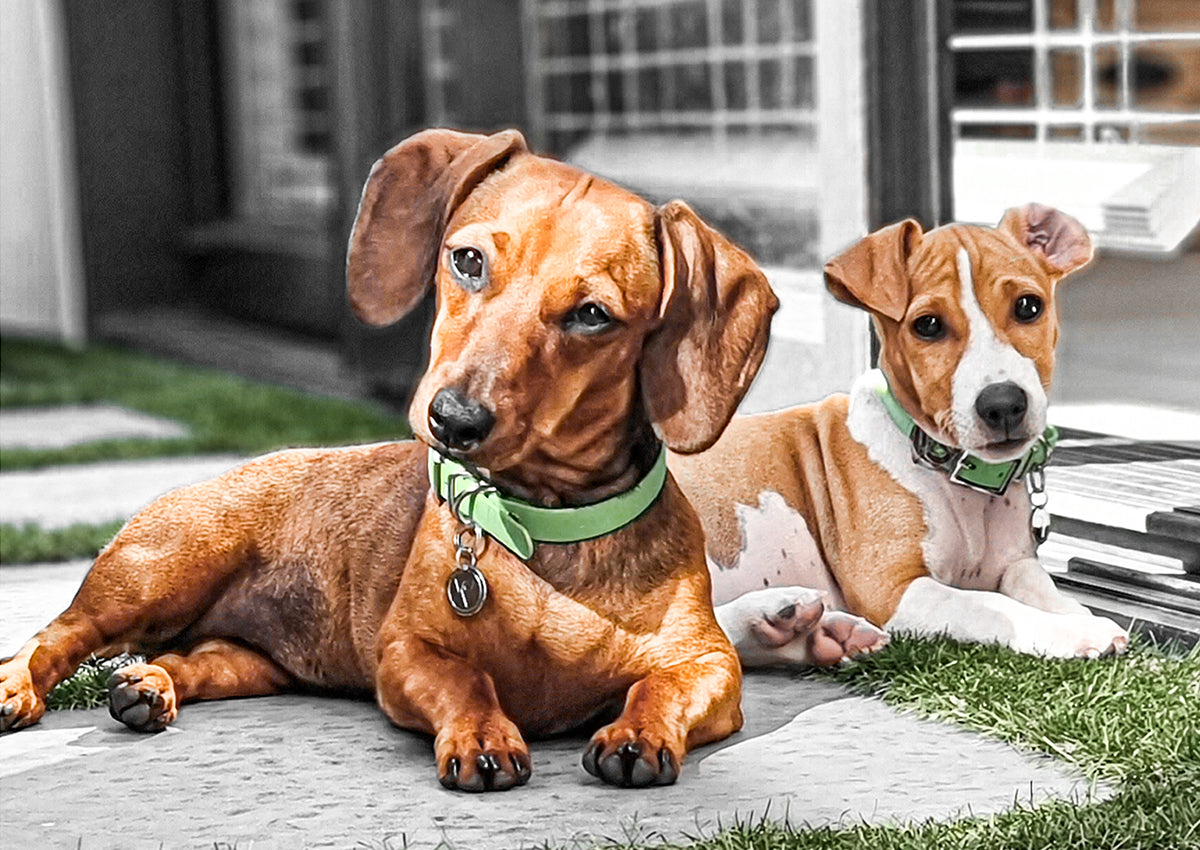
(713, 100)
(1106, 94)
(750, 110)
(278, 75)
(699, 66)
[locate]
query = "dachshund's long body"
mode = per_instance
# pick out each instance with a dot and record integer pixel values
(578, 328)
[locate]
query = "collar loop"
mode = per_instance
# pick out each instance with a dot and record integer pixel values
(963, 468)
(519, 525)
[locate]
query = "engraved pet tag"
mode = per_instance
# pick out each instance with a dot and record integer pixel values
(467, 591)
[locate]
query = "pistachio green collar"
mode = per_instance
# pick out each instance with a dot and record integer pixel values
(519, 525)
(963, 468)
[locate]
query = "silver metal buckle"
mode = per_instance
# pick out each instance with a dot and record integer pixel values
(957, 474)
(928, 452)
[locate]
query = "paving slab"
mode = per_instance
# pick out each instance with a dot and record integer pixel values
(73, 424)
(60, 496)
(322, 772)
(327, 772)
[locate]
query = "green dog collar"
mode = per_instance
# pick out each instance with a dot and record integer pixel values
(963, 468)
(519, 526)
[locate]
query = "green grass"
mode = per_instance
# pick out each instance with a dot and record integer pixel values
(31, 544)
(224, 413)
(88, 688)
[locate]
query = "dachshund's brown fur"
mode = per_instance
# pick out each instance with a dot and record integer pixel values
(328, 568)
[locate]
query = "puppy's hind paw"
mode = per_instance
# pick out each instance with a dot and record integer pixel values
(781, 623)
(142, 696)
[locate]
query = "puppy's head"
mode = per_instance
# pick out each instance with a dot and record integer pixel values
(966, 320)
(572, 315)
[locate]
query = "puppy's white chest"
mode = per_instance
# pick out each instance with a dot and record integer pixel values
(971, 537)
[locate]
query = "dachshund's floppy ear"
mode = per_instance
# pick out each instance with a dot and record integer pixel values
(408, 200)
(715, 317)
(1060, 241)
(872, 274)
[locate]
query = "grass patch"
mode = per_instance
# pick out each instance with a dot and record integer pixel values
(1121, 717)
(224, 413)
(88, 688)
(30, 544)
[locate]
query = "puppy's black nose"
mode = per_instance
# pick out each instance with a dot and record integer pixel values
(1002, 406)
(459, 422)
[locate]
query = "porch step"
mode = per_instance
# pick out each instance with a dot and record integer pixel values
(1126, 530)
(1179, 524)
(1160, 591)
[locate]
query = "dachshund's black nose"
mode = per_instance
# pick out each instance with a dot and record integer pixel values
(459, 422)
(1002, 407)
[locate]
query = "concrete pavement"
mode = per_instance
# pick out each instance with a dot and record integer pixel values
(320, 771)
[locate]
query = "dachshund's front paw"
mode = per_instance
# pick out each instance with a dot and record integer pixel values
(628, 758)
(490, 756)
(20, 704)
(142, 696)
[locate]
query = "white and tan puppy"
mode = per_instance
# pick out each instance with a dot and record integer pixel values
(832, 496)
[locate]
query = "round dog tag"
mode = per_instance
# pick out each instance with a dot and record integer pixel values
(467, 591)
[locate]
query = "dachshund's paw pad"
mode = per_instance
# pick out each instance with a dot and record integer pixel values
(483, 760)
(841, 636)
(630, 761)
(786, 613)
(20, 704)
(142, 696)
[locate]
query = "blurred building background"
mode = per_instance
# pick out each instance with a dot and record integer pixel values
(182, 175)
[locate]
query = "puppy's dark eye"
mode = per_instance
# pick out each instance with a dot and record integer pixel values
(1027, 308)
(468, 266)
(929, 327)
(588, 318)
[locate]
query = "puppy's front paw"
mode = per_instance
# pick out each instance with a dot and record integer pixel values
(628, 758)
(20, 704)
(490, 756)
(142, 696)
(1082, 636)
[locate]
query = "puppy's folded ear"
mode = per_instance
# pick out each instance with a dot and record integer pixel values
(715, 318)
(1060, 241)
(872, 273)
(408, 200)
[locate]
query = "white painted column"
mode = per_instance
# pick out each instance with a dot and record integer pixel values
(41, 256)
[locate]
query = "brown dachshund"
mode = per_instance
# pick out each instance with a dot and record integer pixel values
(577, 327)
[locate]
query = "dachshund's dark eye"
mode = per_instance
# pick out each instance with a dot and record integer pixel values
(1027, 308)
(468, 265)
(588, 318)
(929, 327)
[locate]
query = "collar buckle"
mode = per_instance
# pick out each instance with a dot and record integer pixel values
(928, 452)
(984, 477)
